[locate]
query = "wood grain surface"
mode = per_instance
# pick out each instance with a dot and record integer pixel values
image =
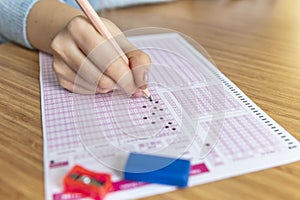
(255, 43)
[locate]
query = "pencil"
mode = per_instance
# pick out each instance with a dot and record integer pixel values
(101, 28)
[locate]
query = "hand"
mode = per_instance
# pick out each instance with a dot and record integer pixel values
(85, 62)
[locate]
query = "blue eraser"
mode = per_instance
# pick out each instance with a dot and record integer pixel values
(157, 169)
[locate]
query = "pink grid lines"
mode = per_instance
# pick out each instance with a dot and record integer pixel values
(242, 139)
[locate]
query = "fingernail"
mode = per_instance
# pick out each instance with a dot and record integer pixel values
(137, 94)
(146, 76)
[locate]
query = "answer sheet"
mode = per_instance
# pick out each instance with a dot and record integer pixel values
(196, 113)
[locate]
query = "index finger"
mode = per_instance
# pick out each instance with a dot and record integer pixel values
(110, 62)
(139, 61)
(103, 54)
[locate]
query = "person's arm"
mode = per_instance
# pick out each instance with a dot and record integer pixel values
(13, 16)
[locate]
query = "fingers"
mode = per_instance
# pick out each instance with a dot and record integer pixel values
(69, 80)
(66, 77)
(139, 61)
(140, 66)
(73, 82)
(102, 54)
(85, 62)
(72, 65)
(108, 60)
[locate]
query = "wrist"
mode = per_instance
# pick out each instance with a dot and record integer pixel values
(45, 20)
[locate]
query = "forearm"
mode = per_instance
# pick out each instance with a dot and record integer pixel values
(45, 20)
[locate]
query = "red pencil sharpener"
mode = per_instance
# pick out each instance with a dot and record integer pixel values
(81, 180)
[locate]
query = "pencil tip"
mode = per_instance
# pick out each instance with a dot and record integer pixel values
(147, 94)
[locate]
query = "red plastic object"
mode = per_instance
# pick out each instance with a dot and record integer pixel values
(81, 180)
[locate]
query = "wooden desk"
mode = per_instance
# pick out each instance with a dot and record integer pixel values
(255, 43)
